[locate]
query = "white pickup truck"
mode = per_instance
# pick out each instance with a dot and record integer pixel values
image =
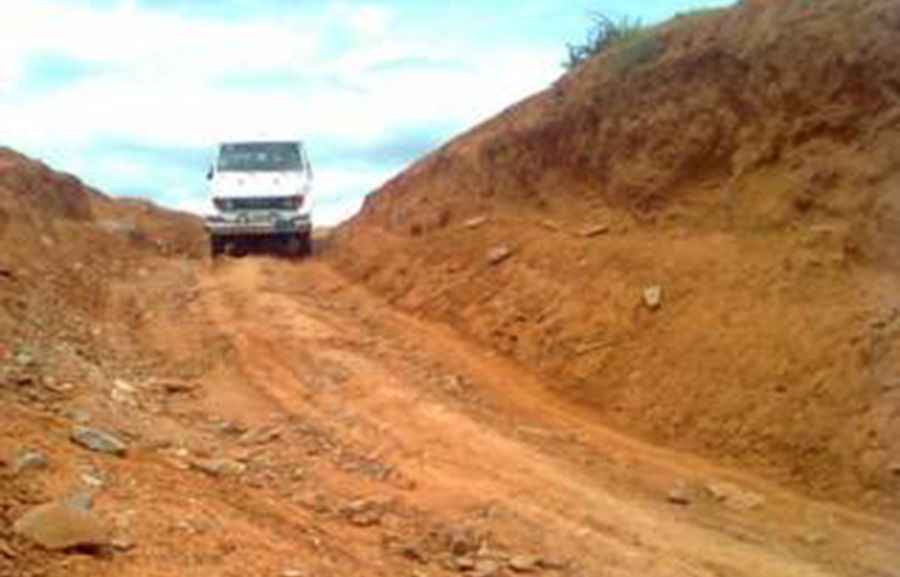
(261, 195)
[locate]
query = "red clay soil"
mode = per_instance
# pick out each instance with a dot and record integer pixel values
(746, 162)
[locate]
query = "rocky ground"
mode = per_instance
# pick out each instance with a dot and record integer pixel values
(264, 417)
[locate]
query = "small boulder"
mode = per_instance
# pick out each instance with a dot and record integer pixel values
(98, 441)
(58, 526)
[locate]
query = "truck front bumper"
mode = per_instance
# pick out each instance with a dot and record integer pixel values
(294, 226)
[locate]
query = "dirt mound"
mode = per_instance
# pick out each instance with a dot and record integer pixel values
(64, 243)
(744, 165)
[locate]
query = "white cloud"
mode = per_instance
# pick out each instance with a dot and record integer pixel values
(159, 83)
(369, 20)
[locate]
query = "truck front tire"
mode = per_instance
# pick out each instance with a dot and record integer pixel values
(216, 246)
(299, 246)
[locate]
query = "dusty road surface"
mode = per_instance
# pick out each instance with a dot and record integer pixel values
(289, 423)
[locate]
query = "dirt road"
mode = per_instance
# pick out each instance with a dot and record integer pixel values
(306, 428)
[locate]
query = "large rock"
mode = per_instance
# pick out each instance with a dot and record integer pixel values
(98, 441)
(58, 526)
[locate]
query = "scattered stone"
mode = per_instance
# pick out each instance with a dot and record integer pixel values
(79, 416)
(124, 386)
(463, 563)
(24, 358)
(364, 512)
(475, 222)
(178, 387)
(454, 384)
(93, 479)
(734, 496)
(499, 254)
(98, 441)
(680, 494)
(595, 230)
(653, 297)
(525, 563)
(58, 526)
(486, 568)
(463, 542)
(219, 467)
(123, 545)
(82, 500)
(550, 225)
(262, 436)
(231, 428)
(29, 461)
(414, 552)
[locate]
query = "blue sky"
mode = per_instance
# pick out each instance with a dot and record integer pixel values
(132, 95)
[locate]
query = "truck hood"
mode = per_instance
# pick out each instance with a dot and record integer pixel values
(258, 184)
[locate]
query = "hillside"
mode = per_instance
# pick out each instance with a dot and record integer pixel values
(745, 162)
(64, 243)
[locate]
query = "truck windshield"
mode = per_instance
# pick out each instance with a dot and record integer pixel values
(259, 156)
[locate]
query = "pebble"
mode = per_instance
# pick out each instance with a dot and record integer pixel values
(734, 496)
(595, 230)
(30, 460)
(219, 467)
(525, 563)
(463, 563)
(475, 222)
(499, 254)
(486, 568)
(679, 495)
(653, 297)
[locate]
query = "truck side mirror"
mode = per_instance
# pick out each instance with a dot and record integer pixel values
(209, 173)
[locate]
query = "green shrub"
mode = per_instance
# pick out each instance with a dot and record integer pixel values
(604, 34)
(642, 49)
